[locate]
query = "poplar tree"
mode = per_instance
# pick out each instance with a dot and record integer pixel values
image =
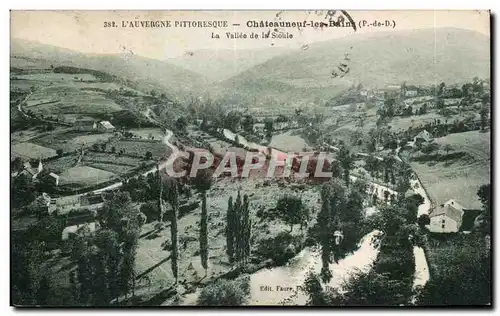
(203, 182)
(238, 229)
(173, 199)
(230, 230)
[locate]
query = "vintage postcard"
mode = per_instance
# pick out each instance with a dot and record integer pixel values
(250, 158)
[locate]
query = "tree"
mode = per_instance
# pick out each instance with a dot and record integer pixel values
(181, 124)
(232, 120)
(172, 188)
(148, 155)
(22, 191)
(346, 162)
(484, 195)
(113, 149)
(223, 293)
(268, 127)
(339, 220)
(26, 259)
(484, 116)
(59, 151)
(247, 123)
(202, 182)
(423, 220)
(238, 229)
(430, 148)
(230, 233)
(292, 210)
(103, 147)
(441, 89)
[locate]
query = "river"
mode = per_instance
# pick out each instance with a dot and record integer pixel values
(281, 285)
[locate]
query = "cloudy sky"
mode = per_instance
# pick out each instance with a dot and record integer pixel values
(84, 30)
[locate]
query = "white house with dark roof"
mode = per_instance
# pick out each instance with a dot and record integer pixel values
(447, 218)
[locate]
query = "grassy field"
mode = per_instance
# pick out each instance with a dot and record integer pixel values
(70, 141)
(84, 176)
(140, 147)
(60, 93)
(458, 179)
(288, 142)
(51, 76)
(64, 100)
(32, 151)
(145, 133)
(113, 163)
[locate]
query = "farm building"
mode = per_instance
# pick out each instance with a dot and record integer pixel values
(29, 171)
(447, 218)
(79, 229)
(452, 217)
(105, 126)
(411, 93)
(54, 178)
(65, 205)
(423, 137)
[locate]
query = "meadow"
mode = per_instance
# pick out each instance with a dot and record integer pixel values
(31, 151)
(458, 178)
(71, 141)
(138, 148)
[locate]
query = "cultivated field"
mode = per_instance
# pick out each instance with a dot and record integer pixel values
(146, 133)
(460, 178)
(139, 148)
(55, 100)
(31, 151)
(84, 176)
(113, 163)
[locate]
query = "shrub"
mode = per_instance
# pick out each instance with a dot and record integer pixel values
(223, 293)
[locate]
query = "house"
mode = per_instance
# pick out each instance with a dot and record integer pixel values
(53, 178)
(105, 127)
(447, 218)
(423, 137)
(29, 171)
(68, 204)
(411, 93)
(84, 229)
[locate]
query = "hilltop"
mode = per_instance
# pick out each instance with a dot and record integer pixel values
(218, 65)
(424, 56)
(149, 73)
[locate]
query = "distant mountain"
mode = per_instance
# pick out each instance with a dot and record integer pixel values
(423, 56)
(287, 76)
(151, 73)
(218, 65)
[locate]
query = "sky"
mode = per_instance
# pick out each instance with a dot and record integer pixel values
(84, 31)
